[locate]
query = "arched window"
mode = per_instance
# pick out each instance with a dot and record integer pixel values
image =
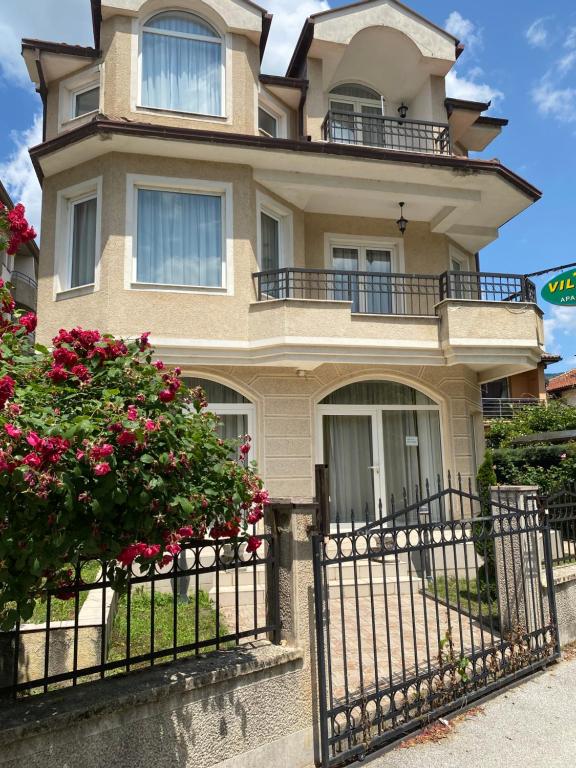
(182, 64)
(237, 414)
(380, 439)
(355, 111)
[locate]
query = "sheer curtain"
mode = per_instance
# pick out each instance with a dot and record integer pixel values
(180, 72)
(270, 229)
(348, 451)
(83, 243)
(179, 238)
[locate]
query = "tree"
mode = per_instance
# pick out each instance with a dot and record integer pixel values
(104, 453)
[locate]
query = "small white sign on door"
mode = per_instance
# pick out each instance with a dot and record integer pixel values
(411, 441)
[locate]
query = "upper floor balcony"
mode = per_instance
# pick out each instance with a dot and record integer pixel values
(401, 134)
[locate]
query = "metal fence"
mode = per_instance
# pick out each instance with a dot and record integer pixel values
(387, 132)
(416, 617)
(389, 293)
(561, 509)
(214, 595)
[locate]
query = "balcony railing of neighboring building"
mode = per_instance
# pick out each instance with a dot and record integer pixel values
(387, 132)
(21, 277)
(506, 407)
(24, 289)
(381, 293)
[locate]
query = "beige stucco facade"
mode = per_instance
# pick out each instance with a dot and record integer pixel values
(283, 351)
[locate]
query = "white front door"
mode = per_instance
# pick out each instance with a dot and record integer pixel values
(379, 458)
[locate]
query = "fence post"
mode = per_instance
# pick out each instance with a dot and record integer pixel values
(518, 558)
(549, 568)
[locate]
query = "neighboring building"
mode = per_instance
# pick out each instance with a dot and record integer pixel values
(563, 387)
(252, 223)
(501, 398)
(21, 269)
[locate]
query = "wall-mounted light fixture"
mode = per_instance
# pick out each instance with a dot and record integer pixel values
(403, 110)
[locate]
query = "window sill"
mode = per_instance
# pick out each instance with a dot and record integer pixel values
(181, 113)
(74, 122)
(72, 293)
(164, 288)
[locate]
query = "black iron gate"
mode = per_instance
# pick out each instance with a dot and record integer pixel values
(426, 610)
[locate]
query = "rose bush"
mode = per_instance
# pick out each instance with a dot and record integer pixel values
(104, 453)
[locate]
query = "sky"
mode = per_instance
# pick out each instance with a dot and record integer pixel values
(520, 54)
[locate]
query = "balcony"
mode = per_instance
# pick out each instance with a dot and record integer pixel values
(405, 135)
(506, 407)
(380, 293)
(24, 289)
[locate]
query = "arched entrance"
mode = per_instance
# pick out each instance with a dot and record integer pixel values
(380, 439)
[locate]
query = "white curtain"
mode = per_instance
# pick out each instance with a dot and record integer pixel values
(378, 289)
(179, 238)
(84, 244)
(349, 454)
(181, 73)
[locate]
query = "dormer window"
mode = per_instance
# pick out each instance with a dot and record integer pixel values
(182, 64)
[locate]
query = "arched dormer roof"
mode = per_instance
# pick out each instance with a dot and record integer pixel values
(339, 26)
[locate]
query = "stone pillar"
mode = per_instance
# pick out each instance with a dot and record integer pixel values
(292, 521)
(520, 578)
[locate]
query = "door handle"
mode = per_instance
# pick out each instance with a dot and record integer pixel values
(375, 468)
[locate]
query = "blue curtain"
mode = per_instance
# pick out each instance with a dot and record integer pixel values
(181, 73)
(179, 238)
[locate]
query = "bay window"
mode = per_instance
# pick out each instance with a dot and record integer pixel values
(182, 64)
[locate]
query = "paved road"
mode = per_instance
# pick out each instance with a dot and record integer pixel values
(530, 726)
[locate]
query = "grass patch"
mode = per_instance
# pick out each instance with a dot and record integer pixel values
(64, 610)
(465, 593)
(140, 624)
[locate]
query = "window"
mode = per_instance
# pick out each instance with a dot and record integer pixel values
(86, 101)
(180, 238)
(182, 64)
(371, 290)
(78, 237)
(355, 115)
(267, 123)
(275, 224)
(237, 414)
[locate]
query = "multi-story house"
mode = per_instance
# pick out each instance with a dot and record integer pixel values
(306, 246)
(21, 268)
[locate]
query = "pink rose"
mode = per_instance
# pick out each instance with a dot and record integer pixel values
(166, 396)
(13, 431)
(126, 438)
(32, 460)
(132, 413)
(186, 532)
(254, 543)
(102, 469)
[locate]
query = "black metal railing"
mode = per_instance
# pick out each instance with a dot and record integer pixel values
(506, 407)
(487, 286)
(21, 277)
(390, 294)
(387, 132)
(438, 604)
(215, 595)
(561, 510)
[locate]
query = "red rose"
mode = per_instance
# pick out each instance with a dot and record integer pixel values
(57, 374)
(7, 386)
(166, 396)
(254, 544)
(126, 438)
(102, 469)
(29, 321)
(81, 372)
(32, 460)
(13, 431)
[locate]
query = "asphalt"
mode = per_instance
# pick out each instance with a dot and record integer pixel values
(529, 726)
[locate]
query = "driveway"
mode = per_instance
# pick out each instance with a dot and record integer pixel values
(529, 726)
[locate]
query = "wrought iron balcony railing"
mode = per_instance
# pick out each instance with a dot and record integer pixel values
(506, 407)
(387, 132)
(381, 293)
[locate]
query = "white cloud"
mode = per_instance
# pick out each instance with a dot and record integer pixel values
(289, 17)
(560, 327)
(464, 29)
(469, 88)
(554, 94)
(58, 20)
(537, 33)
(19, 176)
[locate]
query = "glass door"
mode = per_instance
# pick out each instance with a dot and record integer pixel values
(370, 292)
(378, 294)
(354, 476)
(346, 286)
(344, 128)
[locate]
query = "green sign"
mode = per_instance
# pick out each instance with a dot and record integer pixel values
(561, 290)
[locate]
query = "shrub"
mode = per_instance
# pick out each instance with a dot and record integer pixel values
(556, 417)
(483, 539)
(104, 453)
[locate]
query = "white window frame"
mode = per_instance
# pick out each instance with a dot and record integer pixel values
(72, 87)
(458, 257)
(272, 106)
(285, 219)
(224, 190)
(225, 62)
(65, 202)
